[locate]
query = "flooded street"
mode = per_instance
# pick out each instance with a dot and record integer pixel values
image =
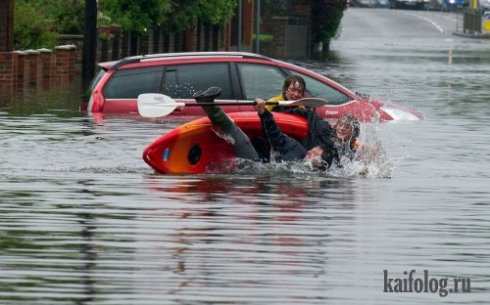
(83, 220)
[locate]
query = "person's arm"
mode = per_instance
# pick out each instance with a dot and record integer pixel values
(289, 148)
(273, 133)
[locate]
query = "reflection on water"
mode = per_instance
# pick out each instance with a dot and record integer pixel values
(61, 102)
(83, 220)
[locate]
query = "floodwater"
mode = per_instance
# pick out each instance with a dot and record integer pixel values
(84, 221)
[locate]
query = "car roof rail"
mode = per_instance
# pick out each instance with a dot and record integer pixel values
(138, 58)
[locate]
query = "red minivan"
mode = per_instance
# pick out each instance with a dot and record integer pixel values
(242, 77)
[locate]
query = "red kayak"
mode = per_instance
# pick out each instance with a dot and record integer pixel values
(195, 148)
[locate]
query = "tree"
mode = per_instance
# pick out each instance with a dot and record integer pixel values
(136, 15)
(139, 15)
(325, 20)
(37, 23)
(185, 12)
(65, 13)
(32, 28)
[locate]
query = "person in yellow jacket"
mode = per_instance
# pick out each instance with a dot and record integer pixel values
(293, 89)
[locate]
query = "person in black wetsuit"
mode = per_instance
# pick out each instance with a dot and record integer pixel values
(318, 147)
(339, 141)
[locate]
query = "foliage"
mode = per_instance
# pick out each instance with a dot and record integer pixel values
(326, 16)
(65, 14)
(68, 14)
(185, 12)
(37, 22)
(32, 30)
(136, 15)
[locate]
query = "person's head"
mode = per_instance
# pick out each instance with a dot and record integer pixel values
(294, 88)
(347, 128)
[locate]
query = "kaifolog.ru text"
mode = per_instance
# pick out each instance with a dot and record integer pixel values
(424, 284)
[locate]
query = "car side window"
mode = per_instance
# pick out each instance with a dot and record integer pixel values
(130, 83)
(183, 81)
(318, 89)
(261, 80)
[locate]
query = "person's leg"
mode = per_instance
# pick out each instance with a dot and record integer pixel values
(240, 141)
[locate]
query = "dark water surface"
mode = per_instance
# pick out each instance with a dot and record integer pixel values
(84, 221)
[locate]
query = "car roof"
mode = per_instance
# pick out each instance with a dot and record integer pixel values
(133, 61)
(114, 65)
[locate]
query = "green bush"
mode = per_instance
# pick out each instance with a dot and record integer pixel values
(32, 30)
(38, 22)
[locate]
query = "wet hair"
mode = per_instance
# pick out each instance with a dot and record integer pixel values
(354, 123)
(291, 80)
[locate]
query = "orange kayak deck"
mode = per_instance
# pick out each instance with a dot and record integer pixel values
(194, 147)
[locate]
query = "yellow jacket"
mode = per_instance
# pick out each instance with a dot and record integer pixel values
(274, 100)
(277, 98)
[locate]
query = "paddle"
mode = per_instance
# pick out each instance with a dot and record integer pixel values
(153, 105)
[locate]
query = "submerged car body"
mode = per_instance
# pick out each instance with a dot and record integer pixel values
(242, 77)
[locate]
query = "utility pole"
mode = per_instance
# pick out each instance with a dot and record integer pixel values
(6, 25)
(240, 17)
(89, 42)
(257, 26)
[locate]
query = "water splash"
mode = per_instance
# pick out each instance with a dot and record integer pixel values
(371, 161)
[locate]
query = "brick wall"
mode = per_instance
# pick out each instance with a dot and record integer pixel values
(290, 34)
(8, 65)
(301, 8)
(276, 26)
(31, 70)
(46, 67)
(64, 65)
(20, 73)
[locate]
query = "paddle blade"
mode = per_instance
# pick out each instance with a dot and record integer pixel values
(153, 105)
(312, 102)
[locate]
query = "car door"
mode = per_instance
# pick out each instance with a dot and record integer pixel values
(182, 81)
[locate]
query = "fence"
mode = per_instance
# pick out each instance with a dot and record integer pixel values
(114, 44)
(32, 70)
